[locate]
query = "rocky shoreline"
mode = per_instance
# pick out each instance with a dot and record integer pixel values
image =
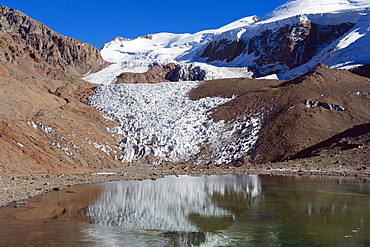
(18, 189)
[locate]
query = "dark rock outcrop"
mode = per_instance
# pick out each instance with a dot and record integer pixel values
(155, 74)
(352, 138)
(169, 72)
(188, 72)
(278, 50)
(363, 70)
(224, 50)
(292, 46)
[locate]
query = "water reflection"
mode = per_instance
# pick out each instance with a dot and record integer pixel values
(172, 204)
(186, 208)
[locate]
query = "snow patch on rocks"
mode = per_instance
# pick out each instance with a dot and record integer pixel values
(105, 148)
(157, 122)
(332, 107)
(32, 124)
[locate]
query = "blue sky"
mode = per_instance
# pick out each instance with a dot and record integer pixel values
(97, 22)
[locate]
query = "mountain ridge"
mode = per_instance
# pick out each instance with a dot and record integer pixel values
(68, 54)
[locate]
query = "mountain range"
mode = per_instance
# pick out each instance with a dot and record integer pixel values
(286, 43)
(186, 98)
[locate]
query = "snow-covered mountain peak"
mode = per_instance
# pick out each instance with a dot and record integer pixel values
(300, 7)
(166, 44)
(164, 47)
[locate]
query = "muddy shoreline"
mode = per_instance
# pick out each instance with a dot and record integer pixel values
(19, 189)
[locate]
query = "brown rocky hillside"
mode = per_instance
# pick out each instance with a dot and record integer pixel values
(45, 126)
(295, 114)
(24, 38)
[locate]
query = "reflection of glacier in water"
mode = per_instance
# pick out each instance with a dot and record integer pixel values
(170, 204)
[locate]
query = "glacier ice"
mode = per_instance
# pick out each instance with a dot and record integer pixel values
(158, 123)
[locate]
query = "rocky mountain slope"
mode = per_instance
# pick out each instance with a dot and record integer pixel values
(303, 112)
(233, 120)
(44, 125)
(25, 38)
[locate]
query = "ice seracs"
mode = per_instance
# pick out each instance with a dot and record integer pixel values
(159, 123)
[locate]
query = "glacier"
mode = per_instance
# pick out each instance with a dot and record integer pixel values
(159, 123)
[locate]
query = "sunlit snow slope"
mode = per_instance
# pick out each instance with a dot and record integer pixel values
(164, 47)
(304, 7)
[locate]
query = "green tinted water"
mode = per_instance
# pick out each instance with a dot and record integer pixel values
(196, 211)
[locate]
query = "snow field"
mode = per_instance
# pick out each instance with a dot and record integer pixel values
(303, 7)
(159, 123)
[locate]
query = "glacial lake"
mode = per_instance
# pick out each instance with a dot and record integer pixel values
(227, 210)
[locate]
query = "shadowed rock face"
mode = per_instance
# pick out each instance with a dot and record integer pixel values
(354, 137)
(224, 50)
(363, 70)
(292, 46)
(186, 73)
(278, 50)
(68, 54)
